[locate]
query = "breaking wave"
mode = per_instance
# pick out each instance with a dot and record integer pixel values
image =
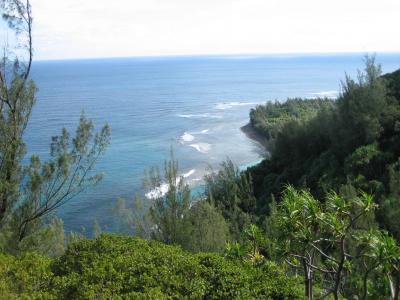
(228, 105)
(186, 137)
(326, 94)
(198, 116)
(161, 190)
(201, 147)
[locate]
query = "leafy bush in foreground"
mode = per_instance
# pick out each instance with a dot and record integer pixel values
(115, 267)
(27, 276)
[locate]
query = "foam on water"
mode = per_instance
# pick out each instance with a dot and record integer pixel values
(188, 174)
(204, 131)
(161, 190)
(187, 137)
(326, 94)
(228, 105)
(201, 147)
(197, 116)
(158, 192)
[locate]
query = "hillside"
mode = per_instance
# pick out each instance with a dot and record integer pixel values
(269, 119)
(345, 145)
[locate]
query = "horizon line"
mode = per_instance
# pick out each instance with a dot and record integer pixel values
(243, 55)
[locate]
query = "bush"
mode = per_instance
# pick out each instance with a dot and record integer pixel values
(27, 276)
(115, 267)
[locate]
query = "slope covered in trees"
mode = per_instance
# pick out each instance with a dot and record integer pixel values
(269, 119)
(352, 143)
(338, 152)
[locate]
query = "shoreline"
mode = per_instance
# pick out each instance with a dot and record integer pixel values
(252, 134)
(197, 184)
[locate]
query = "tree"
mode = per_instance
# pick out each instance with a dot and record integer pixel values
(205, 228)
(252, 248)
(377, 252)
(360, 108)
(231, 192)
(316, 237)
(96, 231)
(339, 223)
(48, 239)
(298, 229)
(29, 193)
(170, 215)
(135, 220)
(17, 97)
(168, 211)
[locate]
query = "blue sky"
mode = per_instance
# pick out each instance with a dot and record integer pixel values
(100, 28)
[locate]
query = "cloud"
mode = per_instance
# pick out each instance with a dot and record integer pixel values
(99, 28)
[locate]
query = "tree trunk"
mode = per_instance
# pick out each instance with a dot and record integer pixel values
(365, 285)
(394, 281)
(308, 282)
(4, 201)
(338, 275)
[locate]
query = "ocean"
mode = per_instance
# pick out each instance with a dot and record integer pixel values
(194, 105)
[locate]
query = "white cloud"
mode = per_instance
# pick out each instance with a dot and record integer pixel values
(100, 28)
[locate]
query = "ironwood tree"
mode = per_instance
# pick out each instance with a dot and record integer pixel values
(29, 192)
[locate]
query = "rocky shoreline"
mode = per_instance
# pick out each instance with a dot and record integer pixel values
(251, 133)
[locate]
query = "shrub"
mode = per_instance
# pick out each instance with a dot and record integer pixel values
(116, 267)
(27, 276)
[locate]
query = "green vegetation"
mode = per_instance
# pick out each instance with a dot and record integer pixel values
(319, 218)
(117, 267)
(353, 143)
(315, 237)
(231, 192)
(339, 149)
(174, 218)
(29, 193)
(393, 83)
(269, 119)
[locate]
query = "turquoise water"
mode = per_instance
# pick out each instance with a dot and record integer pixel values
(194, 104)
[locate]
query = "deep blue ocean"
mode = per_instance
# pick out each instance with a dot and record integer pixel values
(196, 105)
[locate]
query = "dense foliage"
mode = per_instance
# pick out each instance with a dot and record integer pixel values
(115, 267)
(269, 119)
(330, 241)
(231, 193)
(353, 141)
(173, 217)
(334, 150)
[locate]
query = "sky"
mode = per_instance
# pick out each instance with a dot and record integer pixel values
(66, 29)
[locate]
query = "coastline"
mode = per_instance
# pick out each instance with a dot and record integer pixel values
(252, 134)
(197, 184)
